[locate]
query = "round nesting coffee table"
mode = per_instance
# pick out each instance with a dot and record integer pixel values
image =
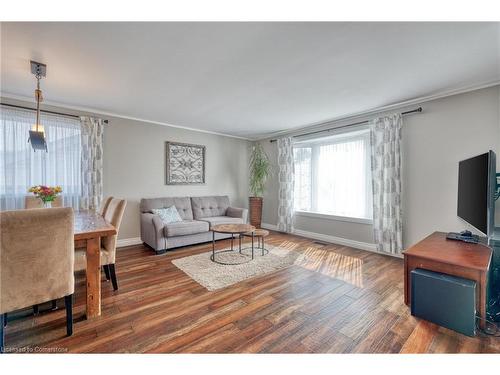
(232, 229)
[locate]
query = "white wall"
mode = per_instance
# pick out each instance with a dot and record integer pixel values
(448, 130)
(134, 164)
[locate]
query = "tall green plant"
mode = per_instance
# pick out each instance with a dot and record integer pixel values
(260, 169)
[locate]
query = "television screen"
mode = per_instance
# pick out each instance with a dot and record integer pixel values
(474, 190)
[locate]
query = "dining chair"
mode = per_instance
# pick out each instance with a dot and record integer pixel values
(36, 261)
(31, 202)
(34, 202)
(113, 215)
(57, 202)
(104, 206)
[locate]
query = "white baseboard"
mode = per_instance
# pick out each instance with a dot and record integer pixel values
(128, 242)
(333, 239)
(269, 226)
(315, 236)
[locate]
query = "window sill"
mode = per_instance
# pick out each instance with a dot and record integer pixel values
(318, 215)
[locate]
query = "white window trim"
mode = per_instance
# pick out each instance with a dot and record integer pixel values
(319, 215)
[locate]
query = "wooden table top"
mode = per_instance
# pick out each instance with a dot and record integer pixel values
(233, 228)
(89, 224)
(437, 248)
(259, 232)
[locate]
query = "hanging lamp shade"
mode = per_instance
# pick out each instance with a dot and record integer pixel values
(37, 134)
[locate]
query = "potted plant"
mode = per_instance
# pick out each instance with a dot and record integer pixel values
(260, 168)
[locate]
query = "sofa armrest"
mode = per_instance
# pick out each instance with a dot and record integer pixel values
(241, 213)
(152, 231)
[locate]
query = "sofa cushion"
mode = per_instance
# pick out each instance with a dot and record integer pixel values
(222, 220)
(185, 227)
(182, 204)
(167, 215)
(204, 207)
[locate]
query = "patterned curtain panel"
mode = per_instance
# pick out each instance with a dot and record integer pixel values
(285, 181)
(92, 140)
(386, 183)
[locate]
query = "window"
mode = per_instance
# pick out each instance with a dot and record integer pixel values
(332, 175)
(21, 167)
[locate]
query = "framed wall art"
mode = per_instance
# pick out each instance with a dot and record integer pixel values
(185, 164)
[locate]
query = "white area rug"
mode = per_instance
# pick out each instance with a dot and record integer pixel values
(215, 276)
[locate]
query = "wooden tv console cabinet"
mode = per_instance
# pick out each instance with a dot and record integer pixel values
(456, 258)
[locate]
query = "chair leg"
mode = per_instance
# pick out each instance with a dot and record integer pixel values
(2, 336)
(35, 310)
(5, 320)
(113, 276)
(54, 304)
(106, 271)
(68, 302)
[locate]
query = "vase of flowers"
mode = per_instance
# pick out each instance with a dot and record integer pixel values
(46, 193)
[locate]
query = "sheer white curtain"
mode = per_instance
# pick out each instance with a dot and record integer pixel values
(303, 178)
(332, 175)
(21, 167)
(343, 179)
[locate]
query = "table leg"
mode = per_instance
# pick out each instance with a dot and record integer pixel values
(213, 246)
(93, 272)
(263, 246)
(406, 281)
(252, 244)
(240, 243)
(482, 299)
(232, 239)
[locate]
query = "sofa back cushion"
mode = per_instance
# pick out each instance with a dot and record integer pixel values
(209, 206)
(182, 204)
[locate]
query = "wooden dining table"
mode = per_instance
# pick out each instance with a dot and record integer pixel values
(89, 228)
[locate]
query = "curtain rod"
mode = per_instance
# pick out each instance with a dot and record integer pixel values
(44, 111)
(419, 109)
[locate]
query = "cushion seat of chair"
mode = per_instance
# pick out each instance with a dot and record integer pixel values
(185, 227)
(215, 220)
(81, 258)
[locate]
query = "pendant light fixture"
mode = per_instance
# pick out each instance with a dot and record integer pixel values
(37, 134)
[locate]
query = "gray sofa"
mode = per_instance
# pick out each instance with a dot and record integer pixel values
(198, 215)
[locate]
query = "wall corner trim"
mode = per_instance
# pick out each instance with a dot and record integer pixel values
(334, 240)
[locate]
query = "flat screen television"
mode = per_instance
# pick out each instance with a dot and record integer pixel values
(476, 192)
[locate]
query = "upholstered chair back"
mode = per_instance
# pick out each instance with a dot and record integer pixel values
(58, 202)
(36, 257)
(104, 206)
(113, 215)
(34, 202)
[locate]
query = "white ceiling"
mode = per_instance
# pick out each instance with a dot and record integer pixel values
(246, 79)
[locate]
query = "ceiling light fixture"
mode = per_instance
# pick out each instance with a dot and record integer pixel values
(37, 134)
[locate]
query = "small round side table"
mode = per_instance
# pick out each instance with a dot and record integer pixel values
(260, 234)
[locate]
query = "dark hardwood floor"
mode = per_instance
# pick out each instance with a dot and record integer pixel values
(335, 300)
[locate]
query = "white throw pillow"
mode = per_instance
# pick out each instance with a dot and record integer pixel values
(167, 215)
